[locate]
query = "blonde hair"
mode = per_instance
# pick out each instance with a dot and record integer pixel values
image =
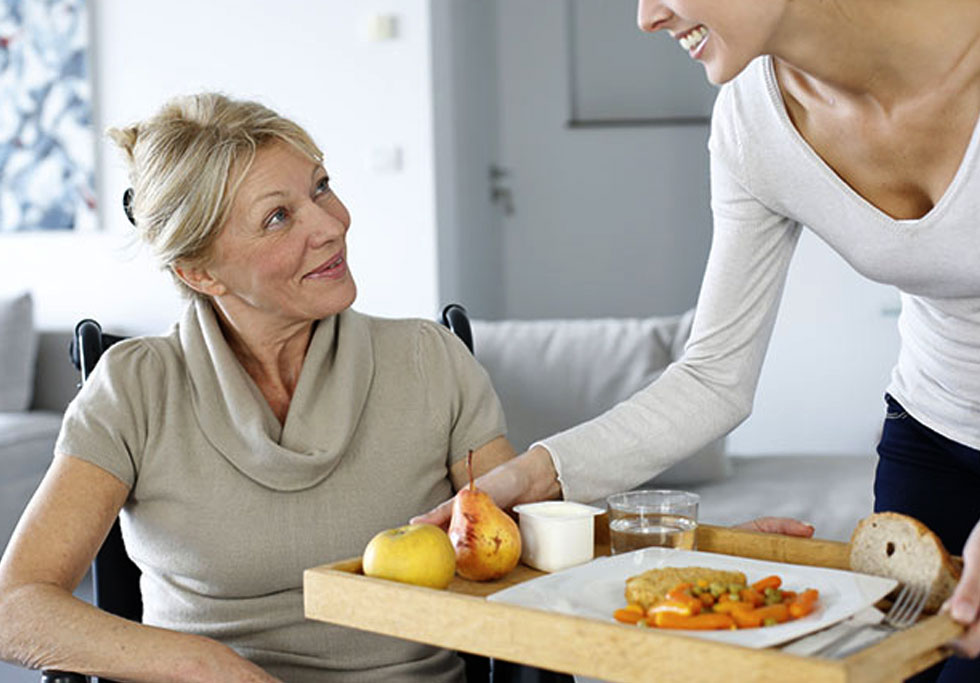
(185, 165)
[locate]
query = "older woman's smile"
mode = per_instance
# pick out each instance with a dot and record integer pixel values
(332, 269)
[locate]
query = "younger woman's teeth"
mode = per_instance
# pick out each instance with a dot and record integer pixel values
(694, 38)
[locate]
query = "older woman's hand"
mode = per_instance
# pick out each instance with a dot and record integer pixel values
(207, 660)
(964, 606)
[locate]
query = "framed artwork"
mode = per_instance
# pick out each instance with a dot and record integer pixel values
(47, 142)
(618, 76)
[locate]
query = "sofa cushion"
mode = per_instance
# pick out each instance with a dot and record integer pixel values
(18, 342)
(553, 374)
(55, 378)
(26, 447)
(17, 429)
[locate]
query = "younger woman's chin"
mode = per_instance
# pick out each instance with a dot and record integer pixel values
(718, 73)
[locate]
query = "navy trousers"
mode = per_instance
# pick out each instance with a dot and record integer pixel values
(937, 481)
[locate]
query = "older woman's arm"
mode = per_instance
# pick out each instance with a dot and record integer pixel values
(487, 457)
(45, 626)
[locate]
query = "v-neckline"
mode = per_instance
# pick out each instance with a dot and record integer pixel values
(772, 83)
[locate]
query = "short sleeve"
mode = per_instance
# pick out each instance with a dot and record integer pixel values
(448, 367)
(106, 423)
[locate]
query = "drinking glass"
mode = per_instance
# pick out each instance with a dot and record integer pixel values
(653, 517)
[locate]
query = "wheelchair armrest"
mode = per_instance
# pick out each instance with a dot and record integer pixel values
(52, 676)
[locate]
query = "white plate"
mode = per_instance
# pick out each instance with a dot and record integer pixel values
(595, 590)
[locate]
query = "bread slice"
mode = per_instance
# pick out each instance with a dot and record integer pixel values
(900, 547)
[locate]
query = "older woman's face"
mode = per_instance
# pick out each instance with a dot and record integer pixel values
(724, 35)
(282, 252)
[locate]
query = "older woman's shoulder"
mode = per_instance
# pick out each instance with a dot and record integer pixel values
(141, 355)
(417, 337)
(410, 331)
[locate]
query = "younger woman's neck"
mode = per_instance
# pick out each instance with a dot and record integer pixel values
(889, 50)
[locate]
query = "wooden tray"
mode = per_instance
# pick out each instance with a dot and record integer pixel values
(460, 618)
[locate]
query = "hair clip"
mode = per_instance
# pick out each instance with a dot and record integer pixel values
(128, 205)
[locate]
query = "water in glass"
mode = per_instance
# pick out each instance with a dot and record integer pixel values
(663, 530)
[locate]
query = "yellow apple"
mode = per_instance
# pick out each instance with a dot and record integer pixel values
(414, 553)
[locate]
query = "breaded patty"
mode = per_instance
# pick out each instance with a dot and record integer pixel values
(650, 586)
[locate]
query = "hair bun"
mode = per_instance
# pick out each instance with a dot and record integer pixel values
(125, 138)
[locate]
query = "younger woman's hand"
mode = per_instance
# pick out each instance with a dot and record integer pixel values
(964, 605)
(778, 525)
(527, 478)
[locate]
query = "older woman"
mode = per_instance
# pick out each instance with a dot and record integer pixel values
(271, 430)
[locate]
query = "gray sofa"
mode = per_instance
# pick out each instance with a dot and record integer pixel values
(553, 374)
(27, 436)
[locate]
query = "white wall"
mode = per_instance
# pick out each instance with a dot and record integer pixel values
(831, 355)
(312, 61)
(465, 117)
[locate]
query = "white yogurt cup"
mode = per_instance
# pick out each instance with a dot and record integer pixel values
(556, 534)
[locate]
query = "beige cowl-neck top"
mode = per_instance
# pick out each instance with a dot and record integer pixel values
(228, 507)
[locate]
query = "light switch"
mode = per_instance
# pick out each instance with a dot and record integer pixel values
(382, 27)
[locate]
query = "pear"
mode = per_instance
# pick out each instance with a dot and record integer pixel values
(486, 539)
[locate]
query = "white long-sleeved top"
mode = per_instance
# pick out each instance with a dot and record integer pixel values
(766, 184)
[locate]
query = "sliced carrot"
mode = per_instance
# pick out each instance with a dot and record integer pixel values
(778, 612)
(752, 596)
(684, 607)
(680, 591)
(798, 610)
(803, 604)
(730, 606)
(747, 618)
(768, 582)
(789, 596)
(629, 614)
(707, 599)
(700, 622)
(810, 595)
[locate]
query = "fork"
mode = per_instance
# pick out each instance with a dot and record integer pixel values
(903, 613)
